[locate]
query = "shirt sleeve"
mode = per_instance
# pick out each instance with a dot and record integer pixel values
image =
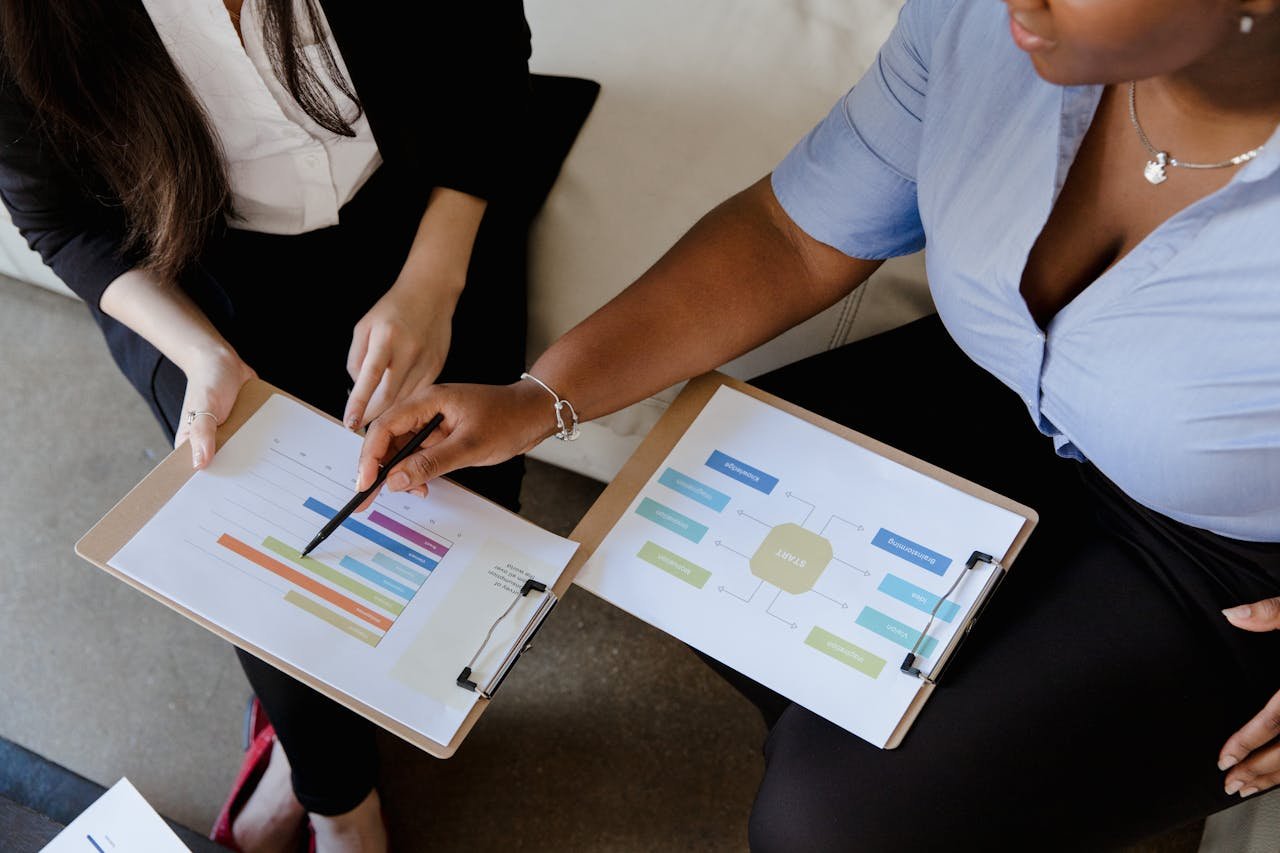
(851, 181)
(483, 95)
(80, 239)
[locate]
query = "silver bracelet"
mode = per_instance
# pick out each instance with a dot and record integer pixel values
(566, 433)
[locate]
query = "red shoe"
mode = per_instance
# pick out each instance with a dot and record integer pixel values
(255, 764)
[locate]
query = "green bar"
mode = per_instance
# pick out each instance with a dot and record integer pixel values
(674, 564)
(845, 652)
(333, 576)
(362, 634)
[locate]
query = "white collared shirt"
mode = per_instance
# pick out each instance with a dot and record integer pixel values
(288, 174)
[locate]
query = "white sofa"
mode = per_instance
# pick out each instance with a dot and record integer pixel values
(699, 100)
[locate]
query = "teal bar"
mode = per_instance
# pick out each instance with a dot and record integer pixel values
(681, 525)
(891, 629)
(913, 596)
(691, 488)
(395, 568)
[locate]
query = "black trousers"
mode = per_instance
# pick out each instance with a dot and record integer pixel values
(1088, 706)
(288, 304)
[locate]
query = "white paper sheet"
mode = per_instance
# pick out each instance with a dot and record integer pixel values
(119, 821)
(388, 609)
(799, 559)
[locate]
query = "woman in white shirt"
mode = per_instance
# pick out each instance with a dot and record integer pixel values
(333, 200)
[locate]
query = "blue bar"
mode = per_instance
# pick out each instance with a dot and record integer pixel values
(397, 548)
(415, 578)
(678, 523)
(691, 488)
(374, 576)
(741, 471)
(892, 629)
(921, 599)
(912, 552)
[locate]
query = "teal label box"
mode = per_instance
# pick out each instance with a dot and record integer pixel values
(677, 523)
(891, 629)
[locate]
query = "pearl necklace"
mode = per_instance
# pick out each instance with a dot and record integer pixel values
(1155, 169)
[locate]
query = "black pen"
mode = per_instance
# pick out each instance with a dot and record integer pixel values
(402, 454)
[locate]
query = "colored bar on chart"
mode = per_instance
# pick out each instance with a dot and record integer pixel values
(849, 654)
(666, 517)
(674, 565)
(374, 576)
(415, 578)
(921, 599)
(736, 469)
(380, 539)
(691, 488)
(297, 578)
(406, 532)
(333, 576)
(912, 552)
(891, 629)
(343, 624)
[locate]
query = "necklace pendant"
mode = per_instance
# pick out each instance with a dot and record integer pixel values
(1155, 170)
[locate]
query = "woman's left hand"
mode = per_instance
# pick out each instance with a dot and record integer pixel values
(1252, 755)
(398, 346)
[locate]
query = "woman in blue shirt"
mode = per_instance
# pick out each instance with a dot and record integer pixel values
(1096, 184)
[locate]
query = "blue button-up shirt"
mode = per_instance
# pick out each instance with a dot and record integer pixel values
(1165, 372)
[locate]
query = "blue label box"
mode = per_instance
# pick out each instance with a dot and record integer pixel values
(912, 552)
(692, 489)
(736, 469)
(921, 599)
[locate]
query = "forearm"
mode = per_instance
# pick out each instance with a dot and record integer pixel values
(742, 275)
(436, 267)
(166, 317)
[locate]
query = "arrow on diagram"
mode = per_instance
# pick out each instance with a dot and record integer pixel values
(863, 572)
(811, 506)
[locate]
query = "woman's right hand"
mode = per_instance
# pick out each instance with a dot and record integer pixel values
(214, 380)
(483, 425)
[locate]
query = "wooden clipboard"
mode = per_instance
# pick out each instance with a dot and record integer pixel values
(658, 444)
(118, 526)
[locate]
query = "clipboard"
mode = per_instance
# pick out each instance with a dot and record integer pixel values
(643, 464)
(136, 508)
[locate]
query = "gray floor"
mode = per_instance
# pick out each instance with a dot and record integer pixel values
(609, 737)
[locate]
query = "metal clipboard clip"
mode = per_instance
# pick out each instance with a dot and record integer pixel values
(909, 662)
(523, 642)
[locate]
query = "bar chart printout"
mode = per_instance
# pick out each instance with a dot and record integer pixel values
(353, 613)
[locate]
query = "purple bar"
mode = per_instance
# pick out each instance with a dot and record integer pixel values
(406, 533)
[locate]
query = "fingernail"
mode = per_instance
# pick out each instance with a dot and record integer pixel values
(1227, 762)
(353, 422)
(398, 480)
(1233, 786)
(1241, 612)
(197, 460)
(1248, 792)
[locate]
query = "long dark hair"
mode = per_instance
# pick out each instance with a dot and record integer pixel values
(110, 99)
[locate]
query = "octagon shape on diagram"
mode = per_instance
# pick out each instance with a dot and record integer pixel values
(791, 558)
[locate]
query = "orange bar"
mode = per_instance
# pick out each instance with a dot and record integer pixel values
(275, 566)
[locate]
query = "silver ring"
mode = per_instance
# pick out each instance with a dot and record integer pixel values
(192, 415)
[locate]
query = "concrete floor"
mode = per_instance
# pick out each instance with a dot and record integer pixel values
(609, 737)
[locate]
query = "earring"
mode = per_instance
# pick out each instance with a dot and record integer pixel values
(1246, 24)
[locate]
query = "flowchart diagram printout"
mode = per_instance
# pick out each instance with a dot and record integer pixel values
(388, 609)
(801, 559)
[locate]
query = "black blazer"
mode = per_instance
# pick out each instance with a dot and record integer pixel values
(447, 91)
